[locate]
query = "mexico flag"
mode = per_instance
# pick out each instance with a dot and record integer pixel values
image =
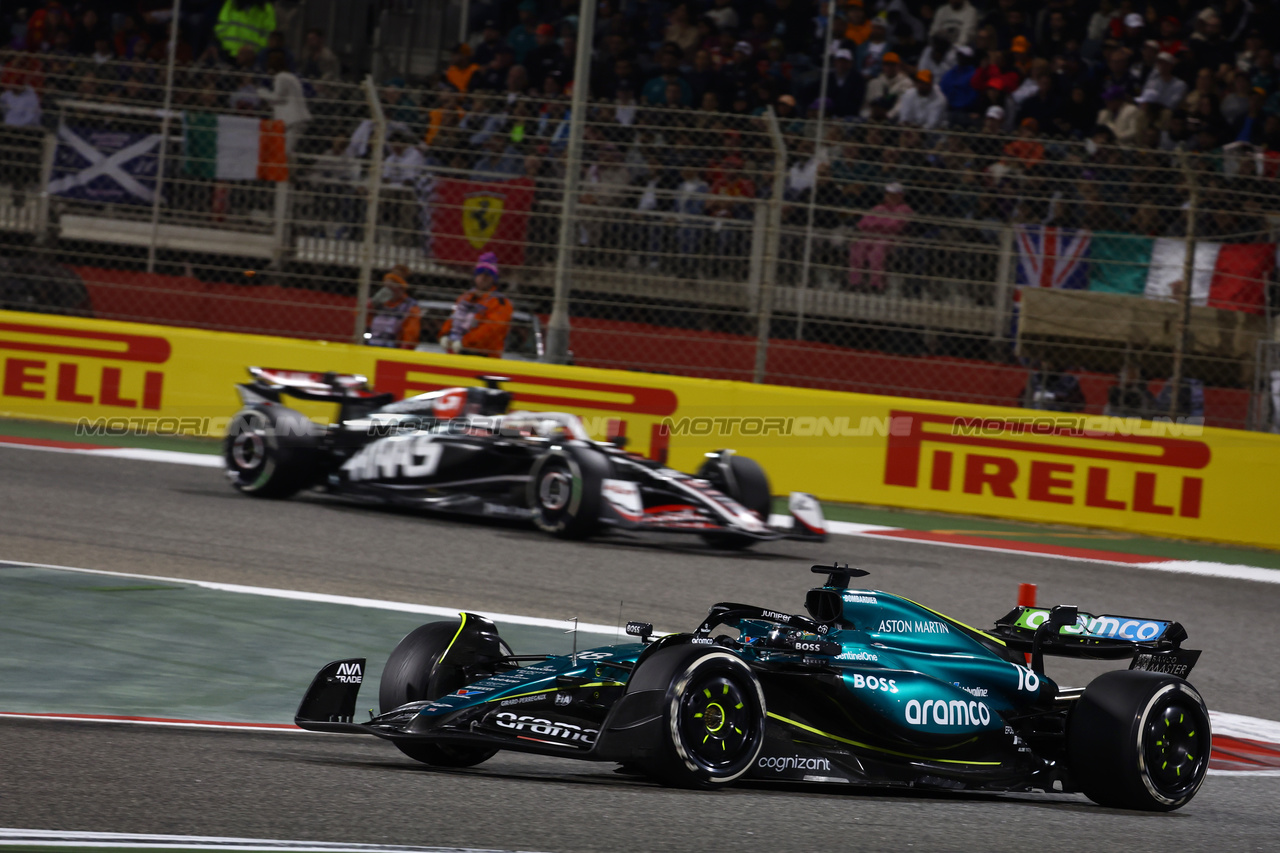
(1224, 275)
(233, 148)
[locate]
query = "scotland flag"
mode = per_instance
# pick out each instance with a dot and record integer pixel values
(106, 166)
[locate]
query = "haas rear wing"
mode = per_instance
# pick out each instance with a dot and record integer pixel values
(1154, 644)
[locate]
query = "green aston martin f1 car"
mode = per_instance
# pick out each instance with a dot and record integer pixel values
(868, 688)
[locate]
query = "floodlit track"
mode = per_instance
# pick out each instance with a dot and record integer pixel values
(179, 521)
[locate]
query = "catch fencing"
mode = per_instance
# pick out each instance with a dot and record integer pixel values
(1012, 268)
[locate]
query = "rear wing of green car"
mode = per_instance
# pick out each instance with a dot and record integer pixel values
(1154, 644)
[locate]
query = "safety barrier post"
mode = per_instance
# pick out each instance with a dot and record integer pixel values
(802, 286)
(1188, 282)
(164, 135)
(773, 234)
(368, 244)
(558, 325)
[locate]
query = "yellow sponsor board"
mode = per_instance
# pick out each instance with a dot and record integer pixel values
(1156, 478)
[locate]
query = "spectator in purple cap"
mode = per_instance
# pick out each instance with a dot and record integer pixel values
(1118, 115)
(1162, 86)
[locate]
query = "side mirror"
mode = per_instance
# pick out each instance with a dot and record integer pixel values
(640, 629)
(1063, 616)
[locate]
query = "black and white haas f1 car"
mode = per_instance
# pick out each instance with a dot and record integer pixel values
(461, 450)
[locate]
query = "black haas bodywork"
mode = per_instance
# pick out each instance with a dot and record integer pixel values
(462, 450)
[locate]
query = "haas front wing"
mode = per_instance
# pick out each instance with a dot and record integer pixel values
(674, 501)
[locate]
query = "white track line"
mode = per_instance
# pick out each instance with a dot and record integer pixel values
(59, 838)
(173, 457)
(297, 595)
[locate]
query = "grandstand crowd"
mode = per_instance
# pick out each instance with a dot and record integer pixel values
(1071, 109)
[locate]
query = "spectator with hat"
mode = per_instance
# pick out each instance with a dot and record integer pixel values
(922, 105)
(871, 52)
(890, 83)
(523, 36)
(1133, 31)
(957, 20)
(490, 40)
(941, 57)
(395, 320)
(845, 87)
(481, 316)
(957, 88)
(997, 73)
(1162, 87)
(869, 251)
(544, 58)
(857, 26)
(1118, 115)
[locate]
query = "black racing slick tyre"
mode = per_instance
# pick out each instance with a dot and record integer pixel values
(713, 719)
(742, 479)
(405, 678)
(565, 491)
(1139, 740)
(270, 452)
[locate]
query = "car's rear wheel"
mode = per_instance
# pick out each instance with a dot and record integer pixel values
(407, 678)
(564, 492)
(713, 719)
(269, 452)
(742, 479)
(1139, 740)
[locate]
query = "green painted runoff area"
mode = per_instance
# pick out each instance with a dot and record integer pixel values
(1074, 537)
(97, 644)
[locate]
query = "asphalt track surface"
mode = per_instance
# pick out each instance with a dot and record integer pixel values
(179, 521)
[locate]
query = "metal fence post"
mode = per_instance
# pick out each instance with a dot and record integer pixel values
(164, 135)
(368, 244)
(802, 287)
(1188, 281)
(1003, 302)
(773, 234)
(558, 325)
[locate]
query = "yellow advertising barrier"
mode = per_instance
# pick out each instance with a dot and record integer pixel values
(1157, 478)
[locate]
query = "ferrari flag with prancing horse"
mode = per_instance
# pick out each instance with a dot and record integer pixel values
(470, 217)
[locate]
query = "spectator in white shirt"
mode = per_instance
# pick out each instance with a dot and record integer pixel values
(922, 105)
(939, 58)
(1118, 115)
(288, 101)
(20, 104)
(891, 82)
(1162, 87)
(957, 20)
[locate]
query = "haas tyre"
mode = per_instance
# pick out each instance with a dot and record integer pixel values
(270, 452)
(713, 718)
(1139, 740)
(743, 480)
(407, 677)
(565, 487)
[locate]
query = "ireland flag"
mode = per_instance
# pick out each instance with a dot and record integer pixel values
(233, 148)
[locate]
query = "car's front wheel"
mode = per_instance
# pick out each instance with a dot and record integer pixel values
(742, 479)
(407, 678)
(713, 719)
(1139, 740)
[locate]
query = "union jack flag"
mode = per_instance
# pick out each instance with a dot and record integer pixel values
(1049, 256)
